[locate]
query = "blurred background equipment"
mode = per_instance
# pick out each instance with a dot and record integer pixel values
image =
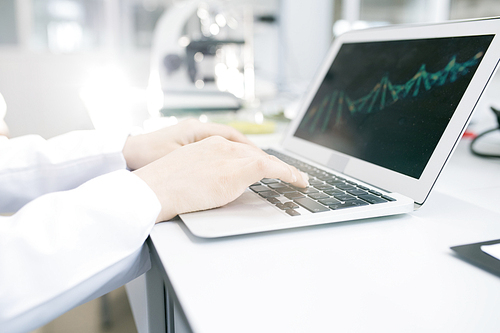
(492, 148)
(201, 57)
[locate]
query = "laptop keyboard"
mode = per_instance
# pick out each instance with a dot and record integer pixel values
(326, 191)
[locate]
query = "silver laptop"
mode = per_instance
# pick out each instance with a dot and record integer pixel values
(378, 125)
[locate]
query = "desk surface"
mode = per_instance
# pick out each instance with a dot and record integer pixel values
(392, 274)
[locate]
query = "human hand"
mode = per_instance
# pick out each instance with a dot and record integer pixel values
(143, 149)
(211, 173)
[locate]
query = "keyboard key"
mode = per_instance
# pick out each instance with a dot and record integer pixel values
(375, 192)
(345, 187)
(323, 187)
(317, 196)
(292, 212)
(281, 206)
(281, 188)
(324, 176)
(357, 192)
(307, 190)
(291, 204)
(348, 204)
(285, 189)
(276, 185)
(344, 197)
(311, 205)
(329, 201)
(315, 182)
(335, 182)
(268, 194)
(273, 200)
(388, 198)
(372, 199)
(358, 202)
(259, 188)
(269, 181)
(333, 192)
(294, 195)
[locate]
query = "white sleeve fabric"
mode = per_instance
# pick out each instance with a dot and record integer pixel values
(31, 166)
(66, 248)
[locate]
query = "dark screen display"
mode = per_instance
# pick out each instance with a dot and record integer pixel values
(388, 103)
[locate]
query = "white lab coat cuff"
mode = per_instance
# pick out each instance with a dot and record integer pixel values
(31, 166)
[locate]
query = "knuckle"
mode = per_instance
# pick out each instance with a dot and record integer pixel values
(263, 162)
(221, 144)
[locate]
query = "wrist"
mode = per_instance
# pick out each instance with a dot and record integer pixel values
(133, 151)
(159, 188)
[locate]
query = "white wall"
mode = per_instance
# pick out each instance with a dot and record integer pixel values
(41, 92)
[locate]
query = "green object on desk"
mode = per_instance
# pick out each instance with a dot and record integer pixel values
(247, 127)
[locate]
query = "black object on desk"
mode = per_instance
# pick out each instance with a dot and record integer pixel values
(476, 152)
(474, 255)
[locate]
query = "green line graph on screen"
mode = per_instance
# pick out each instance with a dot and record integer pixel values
(338, 104)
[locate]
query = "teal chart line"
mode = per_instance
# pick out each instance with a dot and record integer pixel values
(384, 94)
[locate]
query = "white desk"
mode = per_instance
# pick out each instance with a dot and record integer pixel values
(394, 274)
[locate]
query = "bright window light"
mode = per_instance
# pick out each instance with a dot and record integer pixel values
(64, 37)
(109, 98)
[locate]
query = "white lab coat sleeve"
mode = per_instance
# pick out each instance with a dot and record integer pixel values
(66, 248)
(31, 166)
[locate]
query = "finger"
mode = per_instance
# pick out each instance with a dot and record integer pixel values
(221, 146)
(267, 166)
(211, 129)
(295, 176)
(253, 164)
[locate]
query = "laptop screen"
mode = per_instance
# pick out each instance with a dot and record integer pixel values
(388, 103)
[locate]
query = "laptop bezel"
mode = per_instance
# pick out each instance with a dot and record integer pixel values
(389, 180)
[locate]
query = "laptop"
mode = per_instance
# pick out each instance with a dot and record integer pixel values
(379, 123)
